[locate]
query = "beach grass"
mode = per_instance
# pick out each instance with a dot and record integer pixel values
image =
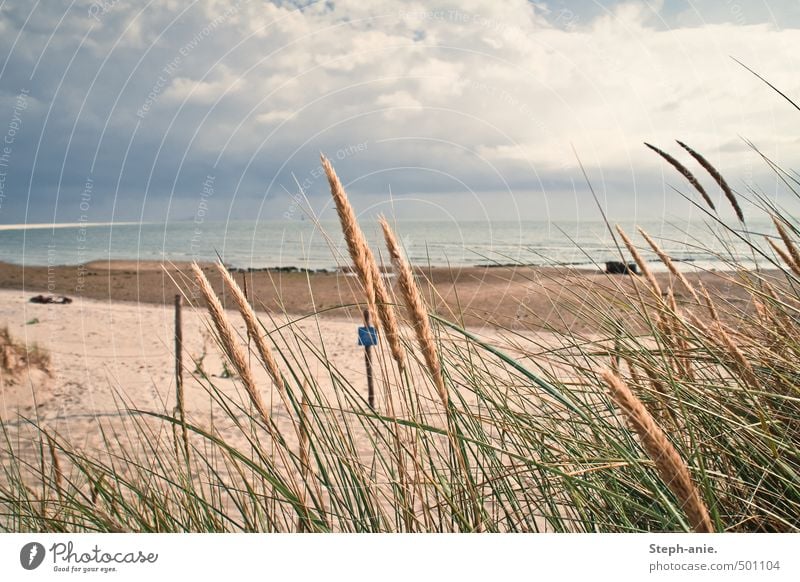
(679, 412)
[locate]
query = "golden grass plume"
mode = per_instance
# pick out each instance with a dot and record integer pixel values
(719, 179)
(366, 267)
(792, 258)
(253, 328)
(417, 311)
(785, 257)
(640, 261)
(686, 173)
(668, 263)
(669, 464)
(229, 344)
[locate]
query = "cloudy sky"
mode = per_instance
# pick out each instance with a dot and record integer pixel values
(128, 110)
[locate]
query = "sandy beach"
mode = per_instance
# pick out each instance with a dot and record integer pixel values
(105, 360)
(113, 346)
(116, 338)
(108, 356)
(544, 298)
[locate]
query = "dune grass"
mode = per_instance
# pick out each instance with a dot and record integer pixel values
(684, 415)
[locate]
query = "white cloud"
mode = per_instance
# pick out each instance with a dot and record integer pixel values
(186, 90)
(274, 116)
(399, 99)
(517, 84)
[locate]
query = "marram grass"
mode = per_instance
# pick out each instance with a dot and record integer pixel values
(699, 430)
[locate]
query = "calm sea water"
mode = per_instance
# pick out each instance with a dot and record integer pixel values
(306, 244)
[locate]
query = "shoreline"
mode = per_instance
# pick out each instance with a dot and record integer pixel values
(57, 225)
(517, 297)
(147, 264)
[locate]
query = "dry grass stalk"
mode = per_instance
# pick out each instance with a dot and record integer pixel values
(683, 361)
(59, 476)
(305, 459)
(180, 435)
(668, 263)
(761, 311)
(356, 242)
(366, 267)
(662, 324)
(253, 328)
(232, 349)
(742, 363)
(640, 261)
(615, 354)
(719, 179)
(699, 324)
(712, 310)
(686, 173)
(787, 301)
(785, 257)
(787, 240)
(780, 323)
(668, 462)
(673, 304)
(635, 378)
(420, 321)
(387, 318)
(416, 309)
(720, 336)
(745, 370)
(794, 262)
(769, 290)
(305, 452)
(672, 349)
(669, 330)
(660, 392)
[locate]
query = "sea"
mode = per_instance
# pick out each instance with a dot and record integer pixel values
(308, 244)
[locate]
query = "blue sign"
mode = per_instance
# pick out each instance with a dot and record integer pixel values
(367, 336)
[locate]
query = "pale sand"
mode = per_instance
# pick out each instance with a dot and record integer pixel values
(106, 355)
(523, 298)
(98, 348)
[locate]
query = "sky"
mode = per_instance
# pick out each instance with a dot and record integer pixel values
(170, 110)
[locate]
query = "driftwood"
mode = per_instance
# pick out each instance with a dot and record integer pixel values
(57, 299)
